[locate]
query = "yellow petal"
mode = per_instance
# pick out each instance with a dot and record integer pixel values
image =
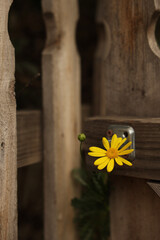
(96, 154)
(114, 140)
(97, 149)
(126, 152)
(120, 144)
(103, 165)
(110, 165)
(125, 161)
(105, 143)
(118, 161)
(125, 147)
(100, 160)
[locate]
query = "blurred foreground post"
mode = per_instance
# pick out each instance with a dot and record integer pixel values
(61, 109)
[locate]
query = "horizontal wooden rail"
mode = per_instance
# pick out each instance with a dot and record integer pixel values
(146, 164)
(29, 137)
(147, 139)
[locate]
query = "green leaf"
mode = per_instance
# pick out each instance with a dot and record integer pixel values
(92, 207)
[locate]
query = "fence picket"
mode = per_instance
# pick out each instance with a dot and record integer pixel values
(8, 160)
(61, 106)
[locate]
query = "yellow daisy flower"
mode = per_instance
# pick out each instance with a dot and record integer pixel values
(112, 153)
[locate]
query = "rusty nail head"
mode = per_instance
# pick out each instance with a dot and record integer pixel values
(109, 133)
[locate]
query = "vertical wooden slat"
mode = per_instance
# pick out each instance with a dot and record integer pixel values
(61, 105)
(129, 69)
(8, 161)
(135, 210)
(128, 75)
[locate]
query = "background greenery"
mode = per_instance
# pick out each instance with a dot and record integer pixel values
(92, 208)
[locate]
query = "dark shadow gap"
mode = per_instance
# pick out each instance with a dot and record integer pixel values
(86, 36)
(27, 34)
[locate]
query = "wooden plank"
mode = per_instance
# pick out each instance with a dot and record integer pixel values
(127, 84)
(29, 137)
(61, 109)
(135, 209)
(126, 69)
(147, 141)
(8, 158)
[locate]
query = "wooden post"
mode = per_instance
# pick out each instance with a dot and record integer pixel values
(128, 75)
(61, 106)
(8, 161)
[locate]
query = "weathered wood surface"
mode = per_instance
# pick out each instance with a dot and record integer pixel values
(61, 110)
(127, 84)
(135, 210)
(29, 137)
(8, 158)
(126, 69)
(147, 141)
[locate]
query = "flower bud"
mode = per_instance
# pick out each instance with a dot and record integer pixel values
(81, 137)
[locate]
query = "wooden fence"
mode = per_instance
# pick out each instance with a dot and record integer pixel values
(126, 83)
(127, 70)
(60, 121)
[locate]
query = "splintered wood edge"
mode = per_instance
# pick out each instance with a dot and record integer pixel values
(29, 137)
(147, 132)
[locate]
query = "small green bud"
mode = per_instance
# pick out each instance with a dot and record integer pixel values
(81, 137)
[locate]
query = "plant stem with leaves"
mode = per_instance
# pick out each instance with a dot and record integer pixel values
(92, 208)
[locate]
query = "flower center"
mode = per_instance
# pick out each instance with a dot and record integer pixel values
(112, 153)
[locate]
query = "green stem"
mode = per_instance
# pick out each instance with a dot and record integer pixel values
(81, 154)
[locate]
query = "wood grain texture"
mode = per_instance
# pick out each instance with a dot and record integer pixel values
(8, 158)
(29, 137)
(127, 84)
(147, 141)
(61, 111)
(135, 210)
(127, 71)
